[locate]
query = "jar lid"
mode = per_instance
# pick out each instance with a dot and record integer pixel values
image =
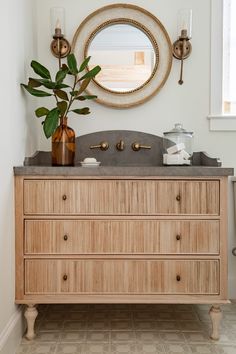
(178, 129)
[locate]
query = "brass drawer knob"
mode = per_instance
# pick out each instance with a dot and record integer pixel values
(65, 237)
(178, 278)
(178, 198)
(65, 277)
(64, 197)
(178, 237)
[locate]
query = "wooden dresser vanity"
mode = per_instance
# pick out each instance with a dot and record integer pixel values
(96, 237)
(137, 233)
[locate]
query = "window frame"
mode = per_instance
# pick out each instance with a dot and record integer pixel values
(217, 119)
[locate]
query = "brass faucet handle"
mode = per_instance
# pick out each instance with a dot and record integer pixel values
(136, 146)
(102, 146)
(120, 145)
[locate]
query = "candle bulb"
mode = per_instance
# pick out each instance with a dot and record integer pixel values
(57, 20)
(185, 23)
(58, 24)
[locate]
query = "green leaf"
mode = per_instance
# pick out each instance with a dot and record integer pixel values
(86, 97)
(40, 70)
(60, 86)
(61, 94)
(83, 86)
(83, 111)
(84, 64)
(91, 74)
(37, 93)
(62, 106)
(48, 84)
(41, 112)
(34, 82)
(74, 93)
(72, 64)
(60, 76)
(51, 122)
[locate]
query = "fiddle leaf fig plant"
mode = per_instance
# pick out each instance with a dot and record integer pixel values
(65, 95)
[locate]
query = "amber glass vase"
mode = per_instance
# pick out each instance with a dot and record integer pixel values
(63, 145)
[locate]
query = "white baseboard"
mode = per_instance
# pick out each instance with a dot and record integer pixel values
(11, 335)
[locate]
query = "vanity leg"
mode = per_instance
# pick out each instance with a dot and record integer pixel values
(216, 315)
(30, 314)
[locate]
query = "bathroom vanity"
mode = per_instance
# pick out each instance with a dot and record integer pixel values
(121, 234)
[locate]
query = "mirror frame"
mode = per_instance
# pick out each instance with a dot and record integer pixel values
(155, 31)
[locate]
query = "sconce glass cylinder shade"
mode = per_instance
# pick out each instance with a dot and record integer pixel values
(185, 23)
(57, 15)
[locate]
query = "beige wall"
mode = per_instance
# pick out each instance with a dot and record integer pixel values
(16, 140)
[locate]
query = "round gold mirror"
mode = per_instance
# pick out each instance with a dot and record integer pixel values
(133, 49)
(127, 54)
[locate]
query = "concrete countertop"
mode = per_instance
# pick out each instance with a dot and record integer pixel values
(139, 171)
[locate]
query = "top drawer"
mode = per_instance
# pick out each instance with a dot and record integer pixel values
(121, 197)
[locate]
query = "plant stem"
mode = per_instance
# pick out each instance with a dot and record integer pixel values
(71, 98)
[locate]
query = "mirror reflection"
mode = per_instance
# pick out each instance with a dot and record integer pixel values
(126, 56)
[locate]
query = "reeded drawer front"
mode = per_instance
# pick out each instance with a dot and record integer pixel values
(121, 277)
(121, 197)
(121, 237)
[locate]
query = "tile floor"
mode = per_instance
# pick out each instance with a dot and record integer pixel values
(120, 329)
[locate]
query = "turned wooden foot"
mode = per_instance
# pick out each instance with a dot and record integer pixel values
(30, 314)
(216, 315)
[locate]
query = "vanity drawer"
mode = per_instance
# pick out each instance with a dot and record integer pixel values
(121, 197)
(121, 276)
(121, 237)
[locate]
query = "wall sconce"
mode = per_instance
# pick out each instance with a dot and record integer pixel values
(182, 48)
(60, 47)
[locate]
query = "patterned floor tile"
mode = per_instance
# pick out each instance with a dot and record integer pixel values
(98, 336)
(39, 348)
(146, 348)
(121, 325)
(103, 325)
(123, 336)
(99, 315)
(203, 349)
(176, 337)
(145, 325)
(203, 316)
(48, 325)
(168, 326)
(225, 349)
(165, 316)
(148, 336)
(73, 336)
(177, 348)
(191, 325)
(145, 315)
(123, 348)
(75, 325)
(186, 316)
(23, 349)
(96, 348)
(131, 329)
(69, 348)
(120, 315)
(197, 337)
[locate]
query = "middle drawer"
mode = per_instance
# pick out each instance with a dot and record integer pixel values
(121, 237)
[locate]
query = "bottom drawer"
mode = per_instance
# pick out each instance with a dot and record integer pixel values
(121, 276)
